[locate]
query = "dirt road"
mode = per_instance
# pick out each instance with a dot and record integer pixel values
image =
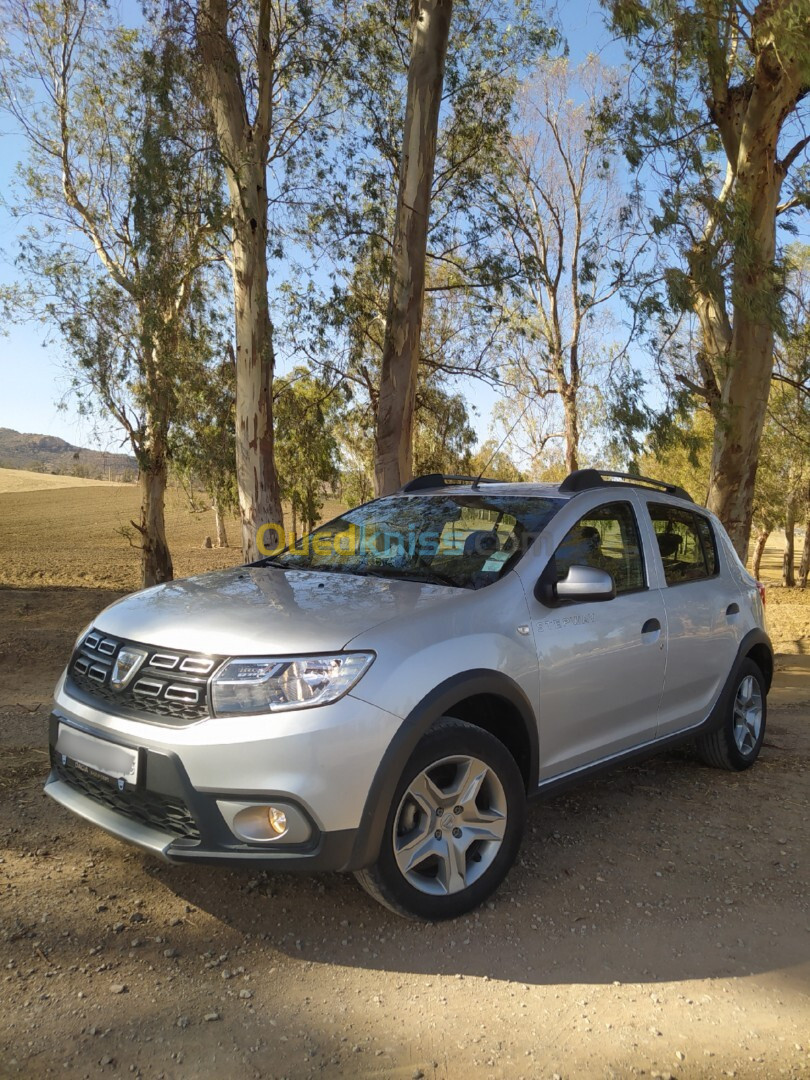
(658, 924)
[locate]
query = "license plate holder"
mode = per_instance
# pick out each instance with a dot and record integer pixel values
(104, 760)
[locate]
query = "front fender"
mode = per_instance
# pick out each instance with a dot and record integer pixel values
(437, 703)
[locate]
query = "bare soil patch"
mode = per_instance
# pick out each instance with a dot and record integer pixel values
(657, 923)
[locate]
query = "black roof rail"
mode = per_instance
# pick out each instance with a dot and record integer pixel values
(433, 480)
(584, 479)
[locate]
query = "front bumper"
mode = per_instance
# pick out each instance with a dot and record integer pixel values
(173, 810)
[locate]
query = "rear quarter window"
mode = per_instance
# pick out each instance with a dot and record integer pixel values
(709, 543)
(686, 543)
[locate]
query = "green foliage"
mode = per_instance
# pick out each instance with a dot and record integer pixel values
(125, 198)
(697, 66)
(306, 412)
(342, 328)
(494, 463)
(203, 441)
(783, 478)
(682, 455)
(443, 439)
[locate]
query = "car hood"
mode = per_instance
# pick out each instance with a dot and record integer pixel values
(254, 610)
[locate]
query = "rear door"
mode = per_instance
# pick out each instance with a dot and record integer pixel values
(702, 603)
(601, 664)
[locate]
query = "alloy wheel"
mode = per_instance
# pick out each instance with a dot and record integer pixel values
(450, 825)
(747, 715)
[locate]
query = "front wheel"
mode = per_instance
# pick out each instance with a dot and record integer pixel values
(735, 745)
(454, 826)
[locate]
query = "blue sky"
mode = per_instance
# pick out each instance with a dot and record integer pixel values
(34, 374)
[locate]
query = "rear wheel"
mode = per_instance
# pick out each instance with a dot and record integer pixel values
(736, 744)
(454, 826)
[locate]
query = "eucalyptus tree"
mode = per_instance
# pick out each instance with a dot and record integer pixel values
(307, 411)
(716, 121)
(563, 215)
(393, 436)
(124, 200)
(786, 435)
(204, 438)
(453, 298)
(266, 72)
(443, 437)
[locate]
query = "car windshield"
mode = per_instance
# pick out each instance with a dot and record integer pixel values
(467, 541)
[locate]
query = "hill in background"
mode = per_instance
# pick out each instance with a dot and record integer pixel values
(49, 454)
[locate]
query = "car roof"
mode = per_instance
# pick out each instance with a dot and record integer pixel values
(507, 487)
(576, 482)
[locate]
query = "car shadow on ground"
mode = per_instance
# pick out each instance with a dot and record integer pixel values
(656, 872)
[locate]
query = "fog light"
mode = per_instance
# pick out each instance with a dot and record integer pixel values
(277, 820)
(266, 823)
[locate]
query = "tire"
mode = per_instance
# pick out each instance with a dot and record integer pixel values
(735, 745)
(460, 784)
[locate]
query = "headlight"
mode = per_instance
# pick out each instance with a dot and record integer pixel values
(270, 684)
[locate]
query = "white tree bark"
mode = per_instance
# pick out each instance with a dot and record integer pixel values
(219, 525)
(244, 147)
(393, 450)
(737, 356)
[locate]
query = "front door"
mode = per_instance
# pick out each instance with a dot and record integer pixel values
(601, 664)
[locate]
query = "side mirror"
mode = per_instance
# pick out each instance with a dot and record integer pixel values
(584, 584)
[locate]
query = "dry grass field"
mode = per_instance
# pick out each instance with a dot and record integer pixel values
(17, 480)
(72, 535)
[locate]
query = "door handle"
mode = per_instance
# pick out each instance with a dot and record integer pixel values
(650, 626)
(733, 609)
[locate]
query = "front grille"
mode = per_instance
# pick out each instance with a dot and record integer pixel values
(168, 688)
(147, 807)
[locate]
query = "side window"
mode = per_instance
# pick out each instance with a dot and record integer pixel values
(608, 539)
(709, 543)
(685, 542)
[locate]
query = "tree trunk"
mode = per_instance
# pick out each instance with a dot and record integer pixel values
(257, 480)
(571, 431)
(244, 149)
(789, 557)
(743, 372)
(735, 452)
(393, 450)
(804, 565)
(156, 560)
(219, 525)
(759, 551)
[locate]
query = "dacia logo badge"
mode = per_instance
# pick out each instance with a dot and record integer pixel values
(121, 783)
(127, 663)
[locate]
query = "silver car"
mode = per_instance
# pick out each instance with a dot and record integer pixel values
(384, 695)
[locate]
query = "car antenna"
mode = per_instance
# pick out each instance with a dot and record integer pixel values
(497, 449)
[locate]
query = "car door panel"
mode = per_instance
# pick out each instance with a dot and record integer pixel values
(704, 628)
(601, 664)
(601, 675)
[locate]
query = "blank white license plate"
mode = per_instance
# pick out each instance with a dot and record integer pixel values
(98, 755)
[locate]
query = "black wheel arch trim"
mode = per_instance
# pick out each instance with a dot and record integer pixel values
(439, 702)
(753, 639)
